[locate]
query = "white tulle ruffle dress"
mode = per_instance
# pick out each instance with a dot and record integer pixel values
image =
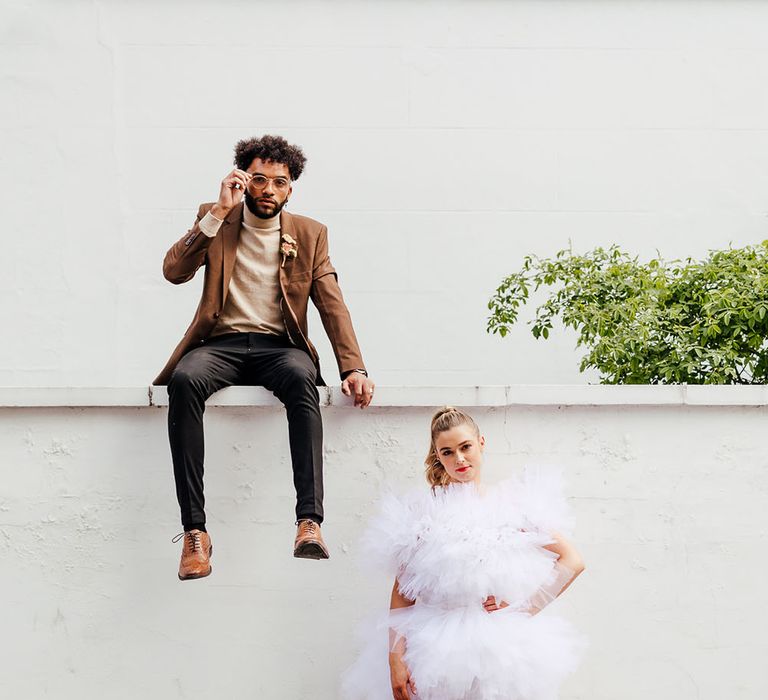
(450, 549)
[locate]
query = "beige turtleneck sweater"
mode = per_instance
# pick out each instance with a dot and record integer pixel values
(253, 300)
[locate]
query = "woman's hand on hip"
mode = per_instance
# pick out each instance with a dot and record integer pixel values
(490, 605)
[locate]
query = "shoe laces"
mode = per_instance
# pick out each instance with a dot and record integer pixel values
(310, 526)
(192, 539)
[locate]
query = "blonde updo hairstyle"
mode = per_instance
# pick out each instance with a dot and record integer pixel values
(446, 418)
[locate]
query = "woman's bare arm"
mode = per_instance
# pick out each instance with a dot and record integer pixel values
(568, 558)
(400, 675)
(568, 566)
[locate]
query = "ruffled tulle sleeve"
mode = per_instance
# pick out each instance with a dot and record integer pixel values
(542, 502)
(389, 541)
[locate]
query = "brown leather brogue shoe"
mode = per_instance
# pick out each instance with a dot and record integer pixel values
(195, 554)
(309, 541)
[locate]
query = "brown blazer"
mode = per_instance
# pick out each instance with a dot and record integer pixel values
(308, 275)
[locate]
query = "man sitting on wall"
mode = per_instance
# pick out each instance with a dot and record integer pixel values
(262, 265)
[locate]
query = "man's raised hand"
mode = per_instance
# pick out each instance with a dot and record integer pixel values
(231, 192)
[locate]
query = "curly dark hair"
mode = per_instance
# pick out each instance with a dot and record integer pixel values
(274, 148)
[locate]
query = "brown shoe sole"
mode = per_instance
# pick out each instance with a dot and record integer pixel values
(192, 577)
(310, 550)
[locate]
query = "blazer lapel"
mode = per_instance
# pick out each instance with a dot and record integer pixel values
(230, 234)
(287, 229)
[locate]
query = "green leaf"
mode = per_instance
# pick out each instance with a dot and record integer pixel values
(692, 320)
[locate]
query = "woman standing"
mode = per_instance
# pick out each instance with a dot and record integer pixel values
(473, 567)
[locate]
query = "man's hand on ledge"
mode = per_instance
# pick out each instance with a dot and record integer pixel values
(359, 386)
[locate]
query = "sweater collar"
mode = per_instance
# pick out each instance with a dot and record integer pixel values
(252, 221)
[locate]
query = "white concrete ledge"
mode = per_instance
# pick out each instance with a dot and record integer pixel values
(395, 396)
(79, 396)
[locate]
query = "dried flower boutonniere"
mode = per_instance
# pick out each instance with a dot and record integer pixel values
(288, 248)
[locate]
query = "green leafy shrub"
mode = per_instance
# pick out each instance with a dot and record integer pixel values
(700, 322)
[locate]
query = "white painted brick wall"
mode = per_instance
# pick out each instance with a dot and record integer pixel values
(669, 500)
(446, 140)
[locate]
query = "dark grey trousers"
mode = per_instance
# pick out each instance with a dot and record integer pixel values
(251, 359)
